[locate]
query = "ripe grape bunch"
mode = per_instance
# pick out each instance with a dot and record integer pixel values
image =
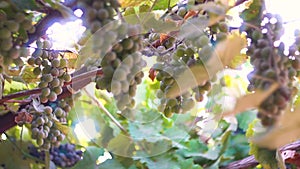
(63, 156)
(271, 65)
(193, 50)
(122, 69)
(14, 29)
(52, 68)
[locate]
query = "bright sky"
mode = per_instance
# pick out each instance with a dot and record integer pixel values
(290, 13)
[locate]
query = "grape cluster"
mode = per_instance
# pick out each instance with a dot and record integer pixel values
(122, 69)
(182, 58)
(53, 70)
(97, 13)
(43, 127)
(273, 65)
(63, 156)
(14, 27)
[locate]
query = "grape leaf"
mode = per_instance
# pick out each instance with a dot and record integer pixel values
(11, 157)
(224, 52)
(121, 145)
(111, 163)
(131, 3)
(163, 4)
(253, 12)
(162, 161)
(28, 76)
(245, 118)
(189, 163)
(149, 131)
(90, 156)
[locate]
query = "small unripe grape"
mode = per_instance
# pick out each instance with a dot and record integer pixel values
(54, 72)
(30, 61)
(52, 97)
(37, 71)
(102, 14)
(58, 90)
(55, 62)
(47, 77)
(67, 77)
(127, 43)
(63, 63)
(58, 112)
(40, 141)
(48, 109)
(46, 92)
(4, 33)
(38, 61)
(203, 41)
(55, 82)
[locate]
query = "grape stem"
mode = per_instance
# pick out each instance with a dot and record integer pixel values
(101, 106)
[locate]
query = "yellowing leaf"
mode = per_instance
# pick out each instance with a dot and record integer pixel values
(64, 129)
(285, 131)
(237, 61)
(224, 52)
(130, 3)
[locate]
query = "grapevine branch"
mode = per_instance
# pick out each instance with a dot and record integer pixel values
(251, 162)
(78, 82)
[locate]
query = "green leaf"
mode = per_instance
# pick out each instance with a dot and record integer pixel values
(254, 11)
(121, 145)
(189, 163)
(194, 146)
(162, 161)
(11, 157)
(163, 4)
(28, 76)
(150, 149)
(245, 118)
(25, 4)
(111, 163)
(90, 156)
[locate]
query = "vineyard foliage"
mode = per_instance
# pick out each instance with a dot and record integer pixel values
(147, 84)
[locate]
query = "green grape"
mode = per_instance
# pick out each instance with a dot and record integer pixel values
(55, 63)
(54, 72)
(120, 74)
(127, 44)
(102, 14)
(38, 61)
(58, 90)
(47, 78)
(52, 96)
(31, 61)
(43, 84)
(55, 82)
(37, 71)
(67, 77)
(45, 92)
(188, 105)
(4, 33)
(203, 41)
